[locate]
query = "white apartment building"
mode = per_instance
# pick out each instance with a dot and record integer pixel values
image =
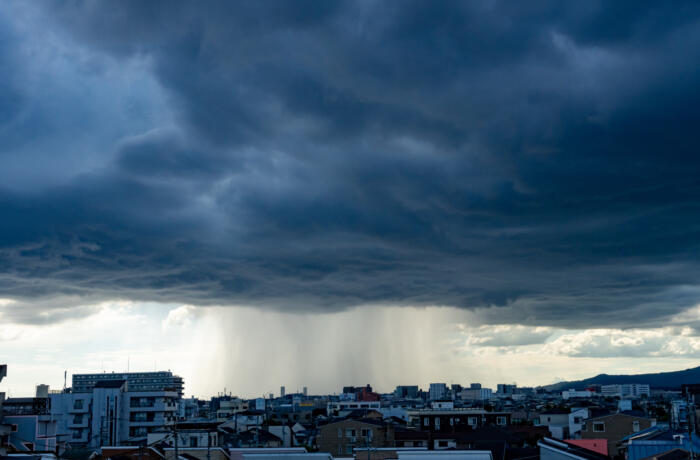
(632, 390)
(111, 415)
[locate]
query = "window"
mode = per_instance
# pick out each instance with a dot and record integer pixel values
(578, 419)
(635, 426)
(437, 422)
(350, 433)
(340, 434)
(78, 419)
(426, 421)
(78, 404)
(599, 427)
(452, 421)
(442, 443)
(472, 421)
(193, 441)
(348, 450)
(501, 421)
(366, 432)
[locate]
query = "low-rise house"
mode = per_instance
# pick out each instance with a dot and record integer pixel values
(341, 437)
(553, 449)
(614, 428)
(189, 434)
(258, 437)
(657, 440)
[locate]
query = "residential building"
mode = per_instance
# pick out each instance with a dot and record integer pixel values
(552, 449)
(576, 418)
(31, 426)
(341, 437)
(571, 393)
(113, 414)
(456, 420)
(613, 428)
(189, 434)
(631, 390)
(343, 408)
(138, 381)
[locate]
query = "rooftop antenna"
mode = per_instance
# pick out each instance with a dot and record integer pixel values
(65, 376)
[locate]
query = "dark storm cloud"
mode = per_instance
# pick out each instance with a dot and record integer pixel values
(536, 160)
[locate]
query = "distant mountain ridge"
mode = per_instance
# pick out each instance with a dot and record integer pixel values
(659, 380)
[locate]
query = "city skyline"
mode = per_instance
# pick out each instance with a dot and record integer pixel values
(327, 193)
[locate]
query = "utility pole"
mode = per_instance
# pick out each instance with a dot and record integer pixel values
(177, 451)
(209, 445)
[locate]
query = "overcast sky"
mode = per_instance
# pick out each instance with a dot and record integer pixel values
(328, 193)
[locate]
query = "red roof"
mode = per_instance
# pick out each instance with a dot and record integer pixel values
(599, 446)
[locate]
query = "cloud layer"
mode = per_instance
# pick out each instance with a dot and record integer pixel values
(537, 162)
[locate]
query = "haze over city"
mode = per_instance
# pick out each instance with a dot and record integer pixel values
(320, 194)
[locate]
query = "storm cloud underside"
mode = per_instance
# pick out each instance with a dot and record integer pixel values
(537, 161)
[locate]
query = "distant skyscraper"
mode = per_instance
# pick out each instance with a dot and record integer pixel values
(438, 391)
(282, 392)
(306, 393)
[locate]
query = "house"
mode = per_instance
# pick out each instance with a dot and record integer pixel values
(189, 434)
(553, 449)
(341, 437)
(614, 428)
(404, 437)
(258, 437)
(459, 420)
(657, 440)
(31, 427)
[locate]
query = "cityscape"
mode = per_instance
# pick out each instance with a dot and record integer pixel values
(349, 230)
(134, 414)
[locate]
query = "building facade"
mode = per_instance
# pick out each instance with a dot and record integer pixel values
(138, 381)
(112, 414)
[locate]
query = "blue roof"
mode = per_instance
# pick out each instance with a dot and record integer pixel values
(639, 449)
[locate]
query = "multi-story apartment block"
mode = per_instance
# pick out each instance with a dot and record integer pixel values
(343, 408)
(457, 420)
(113, 414)
(632, 390)
(138, 381)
